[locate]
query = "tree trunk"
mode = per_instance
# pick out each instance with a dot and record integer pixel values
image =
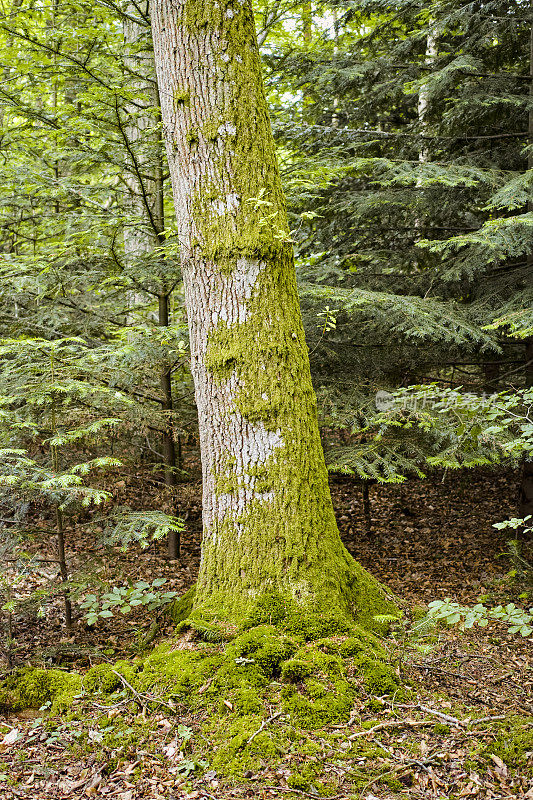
(526, 483)
(169, 447)
(267, 512)
(307, 23)
(422, 110)
(142, 234)
(525, 504)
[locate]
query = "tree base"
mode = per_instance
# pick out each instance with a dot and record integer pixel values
(304, 669)
(355, 597)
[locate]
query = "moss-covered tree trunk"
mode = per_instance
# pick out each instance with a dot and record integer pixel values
(267, 512)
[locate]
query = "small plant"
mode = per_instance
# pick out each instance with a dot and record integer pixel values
(518, 620)
(515, 523)
(521, 568)
(418, 635)
(269, 220)
(329, 316)
(124, 598)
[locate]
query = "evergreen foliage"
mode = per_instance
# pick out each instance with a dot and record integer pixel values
(408, 162)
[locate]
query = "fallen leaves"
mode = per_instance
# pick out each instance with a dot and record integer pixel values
(10, 738)
(447, 548)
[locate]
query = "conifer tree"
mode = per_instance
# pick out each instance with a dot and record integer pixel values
(416, 230)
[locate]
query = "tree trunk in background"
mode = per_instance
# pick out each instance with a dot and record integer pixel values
(145, 206)
(526, 484)
(422, 110)
(525, 505)
(307, 23)
(267, 512)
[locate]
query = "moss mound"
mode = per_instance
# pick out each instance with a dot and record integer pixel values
(284, 670)
(182, 607)
(107, 678)
(32, 688)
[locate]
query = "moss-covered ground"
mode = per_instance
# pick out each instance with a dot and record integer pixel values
(190, 736)
(295, 669)
(295, 702)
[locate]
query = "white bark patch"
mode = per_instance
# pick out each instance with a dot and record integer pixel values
(246, 445)
(233, 202)
(227, 129)
(232, 292)
(229, 205)
(237, 502)
(258, 444)
(219, 207)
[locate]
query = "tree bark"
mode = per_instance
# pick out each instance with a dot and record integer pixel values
(422, 110)
(267, 513)
(526, 484)
(525, 504)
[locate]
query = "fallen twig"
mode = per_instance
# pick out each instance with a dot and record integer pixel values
(142, 699)
(457, 675)
(410, 762)
(263, 725)
(305, 794)
(396, 723)
(441, 715)
(486, 719)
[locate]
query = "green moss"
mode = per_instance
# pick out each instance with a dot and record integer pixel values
(181, 97)
(32, 688)
(312, 626)
(326, 696)
(182, 607)
(298, 781)
(333, 706)
(392, 782)
(512, 744)
(177, 673)
(105, 678)
(101, 678)
(271, 608)
(266, 647)
(192, 137)
(234, 755)
(379, 677)
(354, 646)
(442, 729)
(240, 138)
(295, 670)
(210, 631)
(233, 687)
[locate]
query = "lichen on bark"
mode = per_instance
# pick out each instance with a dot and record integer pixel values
(268, 517)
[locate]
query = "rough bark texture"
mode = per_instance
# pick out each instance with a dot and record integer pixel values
(526, 484)
(267, 512)
(525, 503)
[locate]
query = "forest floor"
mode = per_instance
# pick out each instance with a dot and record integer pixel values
(465, 730)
